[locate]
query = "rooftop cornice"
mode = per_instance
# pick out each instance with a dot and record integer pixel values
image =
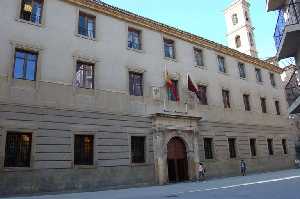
(130, 17)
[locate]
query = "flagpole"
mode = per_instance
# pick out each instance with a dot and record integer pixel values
(186, 105)
(165, 75)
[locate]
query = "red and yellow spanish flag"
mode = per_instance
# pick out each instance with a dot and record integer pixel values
(171, 86)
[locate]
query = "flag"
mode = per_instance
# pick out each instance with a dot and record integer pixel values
(171, 87)
(193, 88)
(168, 79)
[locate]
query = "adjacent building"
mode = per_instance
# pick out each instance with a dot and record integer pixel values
(93, 96)
(287, 40)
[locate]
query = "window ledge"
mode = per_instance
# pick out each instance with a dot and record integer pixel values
(23, 83)
(85, 167)
(136, 50)
(29, 22)
(201, 67)
(84, 91)
(8, 169)
(139, 164)
(85, 37)
(136, 97)
(170, 59)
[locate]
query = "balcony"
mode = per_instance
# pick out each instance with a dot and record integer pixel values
(274, 4)
(292, 91)
(287, 30)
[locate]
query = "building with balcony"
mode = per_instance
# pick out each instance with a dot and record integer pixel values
(287, 42)
(93, 96)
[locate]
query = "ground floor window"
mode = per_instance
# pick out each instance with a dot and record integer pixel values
(232, 148)
(138, 149)
(208, 148)
(284, 146)
(18, 149)
(270, 146)
(84, 150)
(253, 147)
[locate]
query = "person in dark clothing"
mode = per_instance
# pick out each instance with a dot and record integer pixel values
(243, 167)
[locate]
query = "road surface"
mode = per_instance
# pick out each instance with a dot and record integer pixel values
(273, 185)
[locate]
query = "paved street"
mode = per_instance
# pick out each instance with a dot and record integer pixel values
(275, 185)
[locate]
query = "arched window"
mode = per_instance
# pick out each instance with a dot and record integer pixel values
(246, 16)
(235, 19)
(251, 39)
(238, 41)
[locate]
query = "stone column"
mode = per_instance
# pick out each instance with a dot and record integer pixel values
(159, 156)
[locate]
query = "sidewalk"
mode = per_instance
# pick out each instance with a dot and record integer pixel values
(174, 190)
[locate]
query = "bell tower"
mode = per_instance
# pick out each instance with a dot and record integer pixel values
(239, 27)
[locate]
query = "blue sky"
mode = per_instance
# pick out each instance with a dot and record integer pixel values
(205, 18)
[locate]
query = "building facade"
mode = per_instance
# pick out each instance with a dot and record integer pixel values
(287, 40)
(93, 96)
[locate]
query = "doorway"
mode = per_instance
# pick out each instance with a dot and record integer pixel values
(177, 160)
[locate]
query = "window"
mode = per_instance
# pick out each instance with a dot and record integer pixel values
(235, 19)
(172, 91)
(238, 42)
(135, 84)
(258, 75)
(263, 104)
(87, 25)
(232, 148)
(246, 16)
(272, 79)
(208, 148)
(242, 70)
(221, 64)
(31, 10)
(25, 65)
(270, 146)
(18, 149)
(253, 147)
(202, 93)
(284, 146)
(134, 39)
(246, 102)
(138, 149)
(251, 39)
(198, 56)
(84, 77)
(84, 150)
(169, 46)
(226, 98)
(277, 106)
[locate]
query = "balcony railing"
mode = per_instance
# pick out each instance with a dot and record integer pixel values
(288, 15)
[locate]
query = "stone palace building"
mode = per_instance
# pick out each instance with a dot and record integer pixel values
(93, 96)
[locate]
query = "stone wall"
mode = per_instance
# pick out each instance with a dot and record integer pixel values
(222, 164)
(52, 167)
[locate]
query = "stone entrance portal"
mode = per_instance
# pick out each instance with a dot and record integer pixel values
(177, 160)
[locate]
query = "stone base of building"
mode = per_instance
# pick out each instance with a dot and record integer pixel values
(68, 180)
(62, 180)
(52, 167)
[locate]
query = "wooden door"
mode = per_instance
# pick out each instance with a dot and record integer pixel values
(177, 160)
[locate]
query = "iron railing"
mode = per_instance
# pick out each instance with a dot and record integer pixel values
(288, 15)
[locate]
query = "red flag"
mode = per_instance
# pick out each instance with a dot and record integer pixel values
(191, 85)
(193, 88)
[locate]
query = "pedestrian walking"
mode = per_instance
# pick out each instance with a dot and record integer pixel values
(201, 171)
(243, 167)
